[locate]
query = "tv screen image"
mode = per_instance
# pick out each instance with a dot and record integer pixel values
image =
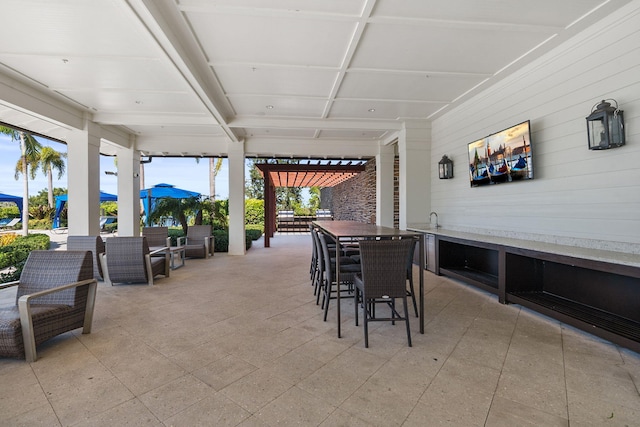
(503, 156)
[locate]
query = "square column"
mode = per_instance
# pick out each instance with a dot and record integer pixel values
(414, 150)
(384, 185)
(83, 175)
(237, 234)
(128, 191)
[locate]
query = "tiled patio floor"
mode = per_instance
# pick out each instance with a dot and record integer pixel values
(240, 341)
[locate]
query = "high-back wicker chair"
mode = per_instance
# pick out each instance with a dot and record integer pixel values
(348, 270)
(157, 236)
(95, 244)
(128, 260)
(383, 280)
(56, 294)
(198, 243)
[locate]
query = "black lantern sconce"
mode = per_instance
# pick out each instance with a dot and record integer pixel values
(445, 168)
(605, 126)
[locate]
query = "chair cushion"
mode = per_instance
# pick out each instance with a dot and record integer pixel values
(47, 324)
(195, 251)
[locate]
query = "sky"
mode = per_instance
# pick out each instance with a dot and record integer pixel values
(183, 173)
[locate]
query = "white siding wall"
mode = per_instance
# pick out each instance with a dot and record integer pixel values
(587, 198)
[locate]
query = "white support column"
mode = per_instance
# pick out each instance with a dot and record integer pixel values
(237, 235)
(128, 191)
(414, 150)
(384, 185)
(83, 180)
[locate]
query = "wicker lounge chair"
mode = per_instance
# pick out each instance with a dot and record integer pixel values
(157, 236)
(56, 294)
(95, 244)
(199, 242)
(128, 260)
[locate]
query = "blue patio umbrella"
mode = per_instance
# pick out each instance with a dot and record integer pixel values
(162, 191)
(15, 199)
(63, 198)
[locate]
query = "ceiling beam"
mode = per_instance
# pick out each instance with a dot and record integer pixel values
(166, 24)
(332, 124)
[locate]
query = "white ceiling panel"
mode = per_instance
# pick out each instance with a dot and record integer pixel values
(266, 80)
(334, 7)
(134, 102)
(72, 27)
(98, 72)
(346, 134)
(455, 49)
(191, 130)
(390, 110)
(280, 133)
(35, 124)
(282, 106)
(407, 86)
(541, 12)
(259, 40)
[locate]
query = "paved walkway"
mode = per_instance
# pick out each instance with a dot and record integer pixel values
(240, 341)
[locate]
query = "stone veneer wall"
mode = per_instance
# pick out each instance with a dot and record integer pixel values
(355, 199)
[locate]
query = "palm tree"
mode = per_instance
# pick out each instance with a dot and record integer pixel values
(51, 159)
(178, 208)
(29, 154)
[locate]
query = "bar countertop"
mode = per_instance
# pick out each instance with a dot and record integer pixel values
(614, 257)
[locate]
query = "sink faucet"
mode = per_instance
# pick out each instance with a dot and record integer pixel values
(434, 213)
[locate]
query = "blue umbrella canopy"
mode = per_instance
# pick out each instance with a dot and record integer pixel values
(63, 198)
(15, 199)
(162, 191)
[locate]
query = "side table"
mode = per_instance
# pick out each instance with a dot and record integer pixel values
(177, 251)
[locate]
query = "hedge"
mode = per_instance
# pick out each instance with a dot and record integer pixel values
(221, 237)
(15, 254)
(254, 231)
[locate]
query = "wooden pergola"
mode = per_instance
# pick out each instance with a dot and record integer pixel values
(300, 175)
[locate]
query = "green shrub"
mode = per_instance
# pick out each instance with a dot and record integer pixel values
(15, 254)
(40, 224)
(111, 228)
(300, 210)
(254, 231)
(220, 215)
(221, 240)
(174, 233)
(254, 211)
(9, 210)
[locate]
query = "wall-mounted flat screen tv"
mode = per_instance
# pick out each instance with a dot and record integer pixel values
(503, 156)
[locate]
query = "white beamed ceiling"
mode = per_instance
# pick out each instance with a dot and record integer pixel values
(279, 72)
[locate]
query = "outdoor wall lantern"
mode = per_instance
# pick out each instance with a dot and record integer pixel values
(445, 168)
(605, 126)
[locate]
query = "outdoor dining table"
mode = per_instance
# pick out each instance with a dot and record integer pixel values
(350, 231)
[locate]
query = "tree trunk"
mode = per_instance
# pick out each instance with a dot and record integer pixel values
(212, 179)
(50, 186)
(183, 222)
(25, 186)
